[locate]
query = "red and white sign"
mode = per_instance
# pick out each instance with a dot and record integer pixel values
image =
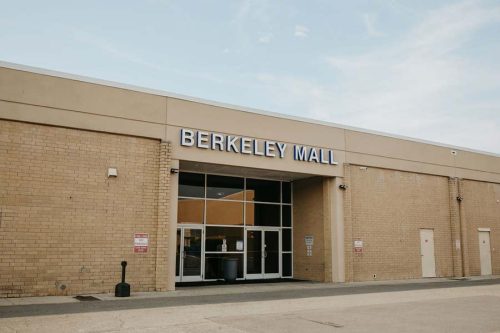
(358, 246)
(141, 243)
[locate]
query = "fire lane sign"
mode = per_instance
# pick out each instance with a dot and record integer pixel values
(141, 243)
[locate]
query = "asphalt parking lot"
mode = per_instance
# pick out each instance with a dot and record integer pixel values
(445, 306)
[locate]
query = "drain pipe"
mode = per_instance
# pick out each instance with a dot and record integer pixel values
(463, 231)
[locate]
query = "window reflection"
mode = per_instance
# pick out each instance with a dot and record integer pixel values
(262, 214)
(215, 238)
(286, 242)
(214, 265)
(263, 190)
(286, 192)
(191, 185)
(287, 264)
(222, 187)
(286, 217)
(190, 210)
(224, 212)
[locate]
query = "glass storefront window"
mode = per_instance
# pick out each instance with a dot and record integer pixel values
(214, 238)
(287, 264)
(286, 216)
(258, 214)
(286, 239)
(286, 193)
(263, 190)
(224, 212)
(190, 210)
(230, 210)
(214, 265)
(191, 185)
(222, 187)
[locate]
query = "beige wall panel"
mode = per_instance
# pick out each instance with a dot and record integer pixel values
(44, 90)
(397, 148)
(478, 175)
(65, 226)
(49, 116)
(475, 161)
(236, 159)
(308, 220)
(482, 210)
(388, 210)
(217, 119)
(398, 164)
(419, 167)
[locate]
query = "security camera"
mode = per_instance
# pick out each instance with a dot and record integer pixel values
(174, 170)
(343, 187)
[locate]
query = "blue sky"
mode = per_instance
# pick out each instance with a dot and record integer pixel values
(424, 69)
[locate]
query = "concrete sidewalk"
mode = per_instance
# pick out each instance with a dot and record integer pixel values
(442, 306)
(228, 293)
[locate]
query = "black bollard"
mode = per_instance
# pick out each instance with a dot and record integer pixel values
(122, 289)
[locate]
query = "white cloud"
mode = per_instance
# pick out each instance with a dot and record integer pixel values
(265, 39)
(419, 87)
(301, 31)
(369, 21)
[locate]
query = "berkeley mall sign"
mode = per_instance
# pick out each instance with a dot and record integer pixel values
(244, 145)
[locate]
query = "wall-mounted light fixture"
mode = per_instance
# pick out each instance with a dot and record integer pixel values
(174, 170)
(343, 187)
(112, 172)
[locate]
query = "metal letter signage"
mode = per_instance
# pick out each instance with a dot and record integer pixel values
(255, 147)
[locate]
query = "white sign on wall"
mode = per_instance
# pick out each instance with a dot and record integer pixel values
(309, 244)
(358, 246)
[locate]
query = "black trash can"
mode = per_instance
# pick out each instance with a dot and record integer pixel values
(230, 269)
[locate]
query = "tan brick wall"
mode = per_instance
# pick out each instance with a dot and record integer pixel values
(162, 229)
(387, 210)
(455, 227)
(481, 203)
(308, 219)
(64, 225)
(348, 254)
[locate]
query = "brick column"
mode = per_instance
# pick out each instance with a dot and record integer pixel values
(348, 247)
(338, 232)
(162, 278)
(455, 228)
(327, 228)
(463, 231)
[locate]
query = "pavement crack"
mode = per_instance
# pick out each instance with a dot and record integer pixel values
(326, 323)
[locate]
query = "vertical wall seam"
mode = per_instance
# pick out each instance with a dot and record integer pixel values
(463, 230)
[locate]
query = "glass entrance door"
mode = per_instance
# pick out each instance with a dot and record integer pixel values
(189, 254)
(263, 253)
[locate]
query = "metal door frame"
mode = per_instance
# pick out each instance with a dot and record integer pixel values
(181, 277)
(264, 275)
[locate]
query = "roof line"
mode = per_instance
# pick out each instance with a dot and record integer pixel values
(164, 93)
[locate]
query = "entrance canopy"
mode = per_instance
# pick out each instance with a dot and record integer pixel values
(241, 172)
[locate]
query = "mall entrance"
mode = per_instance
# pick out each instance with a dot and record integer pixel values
(263, 253)
(222, 216)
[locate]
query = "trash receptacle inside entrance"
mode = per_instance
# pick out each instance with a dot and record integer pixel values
(230, 269)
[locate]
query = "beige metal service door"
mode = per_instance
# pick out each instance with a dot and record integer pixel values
(427, 253)
(485, 252)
